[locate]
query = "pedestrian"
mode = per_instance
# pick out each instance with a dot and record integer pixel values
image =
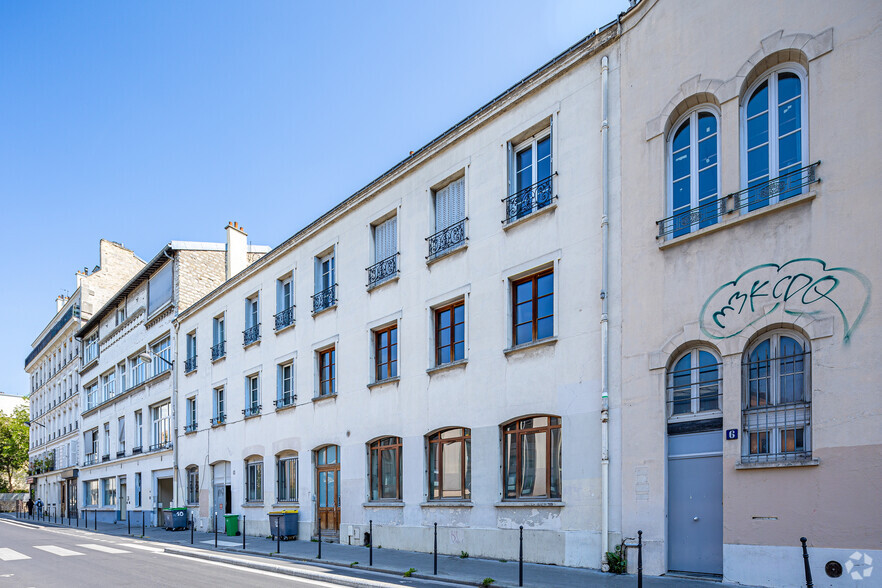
(30, 504)
(39, 508)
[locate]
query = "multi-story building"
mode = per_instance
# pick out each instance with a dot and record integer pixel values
(427, 351)
(53, 366)
(127, 380)
(751, 410)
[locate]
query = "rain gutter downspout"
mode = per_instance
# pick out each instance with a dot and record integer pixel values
(604, 318)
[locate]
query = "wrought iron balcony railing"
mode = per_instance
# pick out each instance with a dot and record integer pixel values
(160, 446)
(190, 364)
(284, 318)
(219, 420)
(121, 453)
(190, 428)
(252, 410)
(530, 199)
(324, 299)
(757, 196)
(218, 350)
(105, 457)
(382, 271)
(286, 400)
(251, 334)
(137, 449)
(447, 239)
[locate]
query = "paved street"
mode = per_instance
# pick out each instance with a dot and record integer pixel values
(38, 556)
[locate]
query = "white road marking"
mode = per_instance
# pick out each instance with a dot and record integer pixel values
(21, 525)
(54, 549)
(144, 547)
(224, 543)
(7, 554)
(260, 572)
(103, 548)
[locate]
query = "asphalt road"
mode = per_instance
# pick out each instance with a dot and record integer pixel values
(35, 556)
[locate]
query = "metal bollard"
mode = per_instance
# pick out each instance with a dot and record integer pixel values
(192, 525)
(279, 539)
(435, 562)
(77, 515)
(371, 527)
(639, 559)
(129, 520)
(319, 520)
(243, 532)
(96, 520)
(142, 523)
(215, 530)
(521, 558)
(805, 557)
(55, 519)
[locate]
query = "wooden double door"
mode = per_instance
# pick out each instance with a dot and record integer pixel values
(328, 488)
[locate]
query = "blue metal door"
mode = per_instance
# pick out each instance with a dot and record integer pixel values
(695, 503)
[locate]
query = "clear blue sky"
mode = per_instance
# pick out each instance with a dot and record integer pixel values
(144, 122)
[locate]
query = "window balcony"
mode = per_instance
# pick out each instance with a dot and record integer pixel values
(251, 334)
(284, 318)
(252, 410)
(190, 365)
(219, 420)
(218, 350)
(160, 446)
(190, 428)
(121, 453)
(752, 198)
(529, 200)
(137, 449)
(382, 271)
(286, 400)
(447, 239)
(105, 457)
(324, 299)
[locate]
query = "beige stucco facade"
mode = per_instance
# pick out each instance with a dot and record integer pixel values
(709, 288)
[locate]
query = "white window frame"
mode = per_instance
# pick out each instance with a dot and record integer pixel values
(281, 381)
(121, 434)
(290, 493)
(254, 480)
(252, 394)
(193, 485)
(139, 429)
(219, 404)
(695, 411)
(161, 423)
(774, 160)
(692, 116)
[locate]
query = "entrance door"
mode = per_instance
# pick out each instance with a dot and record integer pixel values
(328, 488)
(123, 503)
(695, 503)
(72, 497)
(63, 501)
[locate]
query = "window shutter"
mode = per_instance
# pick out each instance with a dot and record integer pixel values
(280, 295)
(511, 169)
(457, 201)
(384, 240)
(279, 391)
(318, 275)
(248, 322)
(442, 208)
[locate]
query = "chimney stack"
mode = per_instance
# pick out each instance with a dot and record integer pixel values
(237, 249)
(60, 302)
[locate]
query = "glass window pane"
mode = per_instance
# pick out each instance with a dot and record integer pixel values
(790, 151)
(545, 306)
(788, 86)
(707, 152)
(444, 355)
(524, 333)
(459, 332)
(681, 163)
(534, 465)
(444, 319)
(459, 314)
(681, 139)
(332, 454)
(789, 117)
(758, 130)
(458, 351)
(524, 291)
(555, 490)
(444, 337)
(451, 457)
(524, 313)
(682, 197)
(758, 163)
(434, 473)
(545, 284)
(543, 159)
(707, 183)
(545, 328)
(759, 102)
(511, 462)
(707, 125)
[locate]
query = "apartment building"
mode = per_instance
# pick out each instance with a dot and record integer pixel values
(430, 350)
(53, 367)
(127, 378)
(752, 412)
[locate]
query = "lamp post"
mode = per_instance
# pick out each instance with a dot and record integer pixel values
(147, 356)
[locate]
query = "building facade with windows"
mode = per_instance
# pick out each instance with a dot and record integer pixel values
(752, 416)
(53, 367)
(425, 352)
(128, 381)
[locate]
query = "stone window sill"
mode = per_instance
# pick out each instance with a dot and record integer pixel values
(324, 310)
(447, 504)
(530, 504)
(381, 283)
(252, 505)
(460, 363)
(778, 464)
(530, 345)
(325, 397)
(535, 214)
(252, 344)
(221, 358)
(384, 504)
(285, 328)
(448, 252)
(286, 505)
(394, 380)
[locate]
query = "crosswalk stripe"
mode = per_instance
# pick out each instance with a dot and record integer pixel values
(103, 548)
(144, 547)
(54, 549)
(7, 554)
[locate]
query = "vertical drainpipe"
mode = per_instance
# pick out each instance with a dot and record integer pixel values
(604, 318)
(176, 479)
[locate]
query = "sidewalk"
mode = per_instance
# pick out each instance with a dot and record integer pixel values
(468, 571)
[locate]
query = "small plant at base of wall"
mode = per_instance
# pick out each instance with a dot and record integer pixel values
(409, 572)
(617, 562)
(487, 581)
(463, 554)
(353, 564)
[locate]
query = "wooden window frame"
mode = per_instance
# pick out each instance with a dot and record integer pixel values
(451, 308)
(514, 428)
(391, 362)
(435, 444)
(375, 447)
(534, 298)
(330, 352)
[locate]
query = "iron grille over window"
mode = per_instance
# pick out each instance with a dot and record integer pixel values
(382, 271)
(251, 334)
(284, 318)
(530, 199)
(219, 350)
(324, 299)
(190, 364)
(447, 239)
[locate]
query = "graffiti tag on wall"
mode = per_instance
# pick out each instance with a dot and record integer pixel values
(802, 286)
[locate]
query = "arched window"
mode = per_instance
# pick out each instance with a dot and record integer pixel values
(286, 477)
(693, 383)
(532, 458)
(776, 404)
(775, 139)
(193, 485)
(254, 479)
(450, 470)
(694, 172)
(385, 468)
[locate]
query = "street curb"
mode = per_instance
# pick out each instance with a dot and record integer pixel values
(268, 567)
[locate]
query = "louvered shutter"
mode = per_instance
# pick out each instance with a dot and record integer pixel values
(457, 201)
(385, 241)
